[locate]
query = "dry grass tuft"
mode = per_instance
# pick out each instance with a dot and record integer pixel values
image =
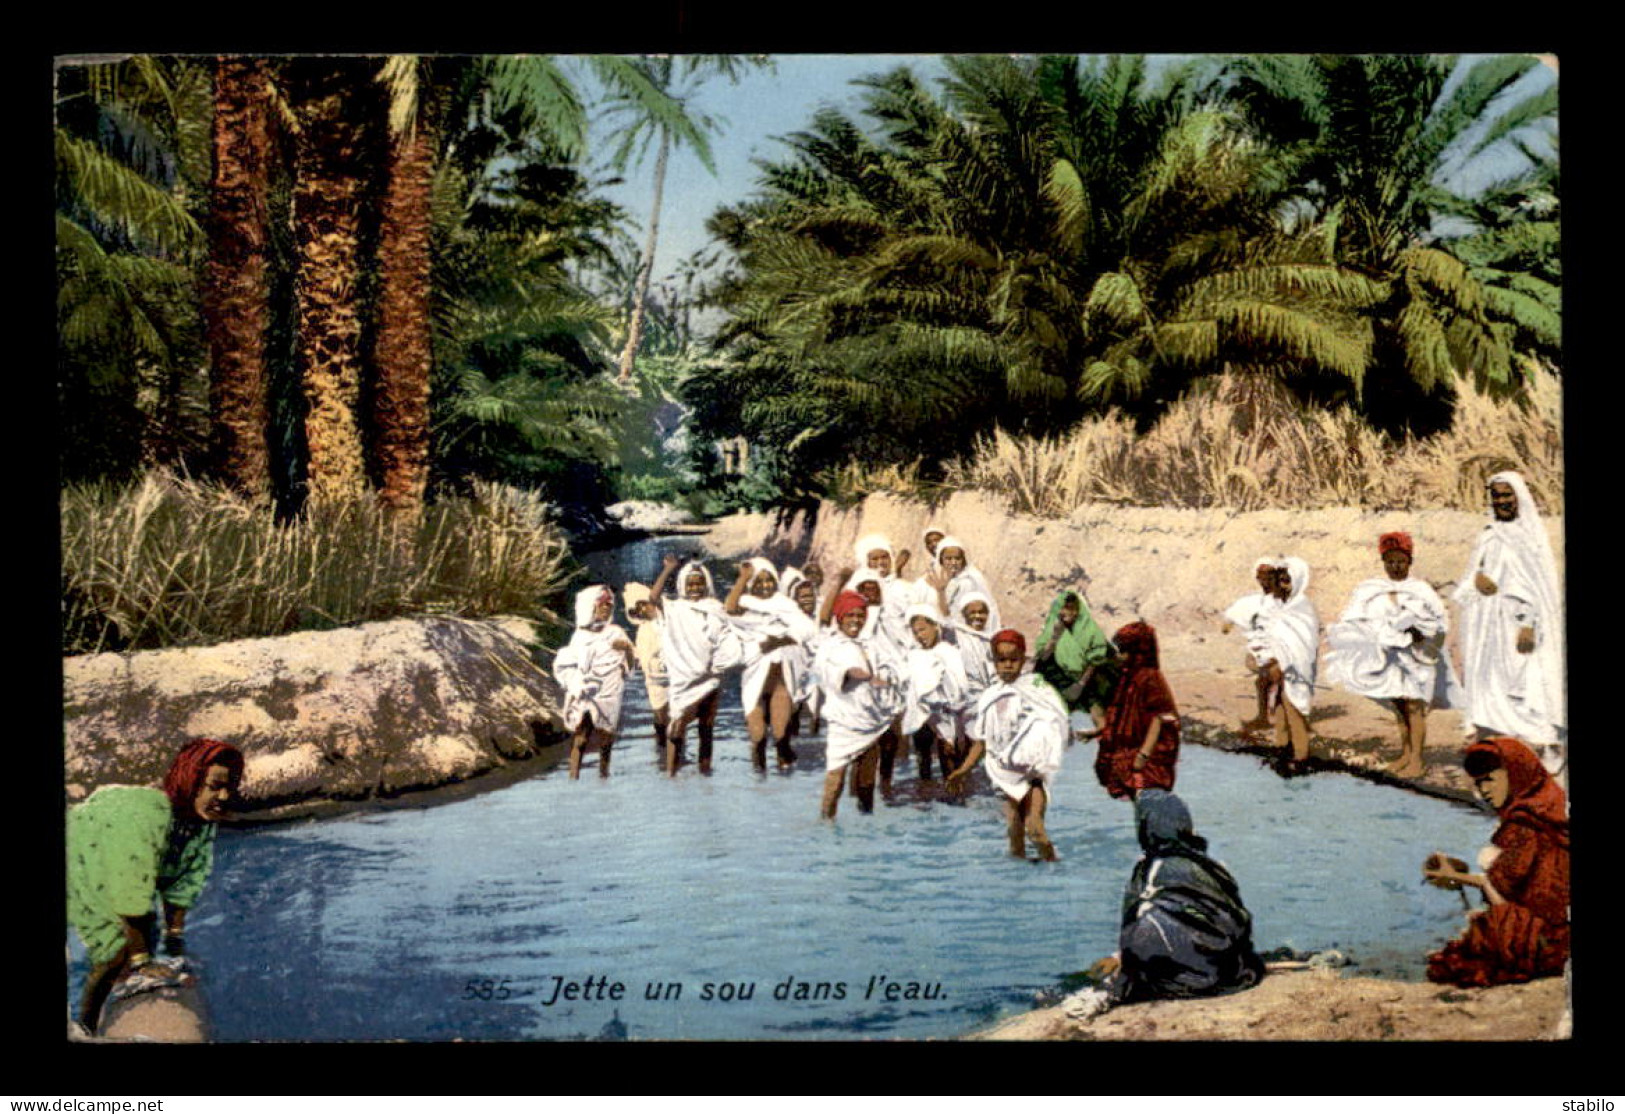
(1243, 443)
(170, 561)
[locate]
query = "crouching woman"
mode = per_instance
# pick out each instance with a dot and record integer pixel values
(131, 849)
(1523, 933)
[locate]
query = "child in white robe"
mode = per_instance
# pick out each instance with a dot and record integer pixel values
(1290, 649)
(701, 645)
(592, 669)
(973, 634)
(651, 656)
(858, 709)
(953, 578)
(1250, 615)
(1021, 726)
(802, 590)
(936, 693)
(772, 628)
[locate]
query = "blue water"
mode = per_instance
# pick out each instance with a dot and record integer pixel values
(468, 919)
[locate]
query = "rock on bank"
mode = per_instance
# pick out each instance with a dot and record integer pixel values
(321, 716)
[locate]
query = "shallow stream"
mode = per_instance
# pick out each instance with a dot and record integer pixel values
(472, 919)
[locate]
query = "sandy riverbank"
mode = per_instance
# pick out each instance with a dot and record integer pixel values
(1178, 570)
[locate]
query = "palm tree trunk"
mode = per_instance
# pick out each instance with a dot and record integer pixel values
(236, 289)
(404, 352)
(327, 219)
(634, 332)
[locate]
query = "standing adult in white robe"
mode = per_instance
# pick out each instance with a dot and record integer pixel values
(1250, 616)
(591, 669)
(1290, 648)
(858, 709)
(936, 692)
(1511, 622)
(1387, 646)
(1021, 726)
(701, 646)
(771, 627)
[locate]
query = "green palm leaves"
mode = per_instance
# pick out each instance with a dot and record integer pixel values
(1049, 236)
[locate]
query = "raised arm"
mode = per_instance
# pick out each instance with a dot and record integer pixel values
(835, 587)
(731, 604)
(668, 565)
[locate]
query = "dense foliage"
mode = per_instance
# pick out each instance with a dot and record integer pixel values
(1050, 238)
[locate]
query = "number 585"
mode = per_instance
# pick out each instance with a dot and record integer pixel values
(487, 990)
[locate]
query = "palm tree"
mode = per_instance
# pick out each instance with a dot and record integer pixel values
(129, 170)
(1046, 238)
(329, 103)
(236, 298)
(675, 121)
(1370, 138)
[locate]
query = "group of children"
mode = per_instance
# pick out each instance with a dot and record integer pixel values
(885, 665)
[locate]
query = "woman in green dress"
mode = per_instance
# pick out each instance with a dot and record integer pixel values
(1075, 656)
(132, 848)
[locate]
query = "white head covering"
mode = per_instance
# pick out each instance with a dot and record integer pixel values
(932, 529)
(924, 611)
(1298, 569)
(586, 601)
(950, 542)
(870, 542)
(632, 595)
(759, 565)
(970, 598)
(1527, 534)
(690, 568)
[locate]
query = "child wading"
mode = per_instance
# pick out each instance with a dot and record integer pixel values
(857, 708)
(701, 645)
(651, 655)
(1021, 725)
(592, 669)
(773, 628)
(886, 653)
(936, 694)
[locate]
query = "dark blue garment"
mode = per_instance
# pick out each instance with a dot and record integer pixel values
(1185, 930)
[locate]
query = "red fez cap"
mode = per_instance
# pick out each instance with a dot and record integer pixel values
(1009, 635)
(848, 601)
(1397, 540)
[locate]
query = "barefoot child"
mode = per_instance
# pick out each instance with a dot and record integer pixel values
(936, 693)
(701, 645)
(771, 627)
(1020, 724)
(651, 656)
(856, 705)
(802, 590)
(1290, 648)
(885, 652)
(592, 669)
(1250, 615)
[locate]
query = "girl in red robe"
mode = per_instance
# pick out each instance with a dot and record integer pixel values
(1139, 736)
(1523, 933)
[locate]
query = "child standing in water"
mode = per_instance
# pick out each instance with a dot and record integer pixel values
(936, 693)
(592, 671)
(772, 627)
(802, 590)
(856, 705)
(1020, 724)
(651, 656)
(973, 632)
(701, 645)
(883, 650)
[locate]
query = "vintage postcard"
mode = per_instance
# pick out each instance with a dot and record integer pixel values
(809, 547)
